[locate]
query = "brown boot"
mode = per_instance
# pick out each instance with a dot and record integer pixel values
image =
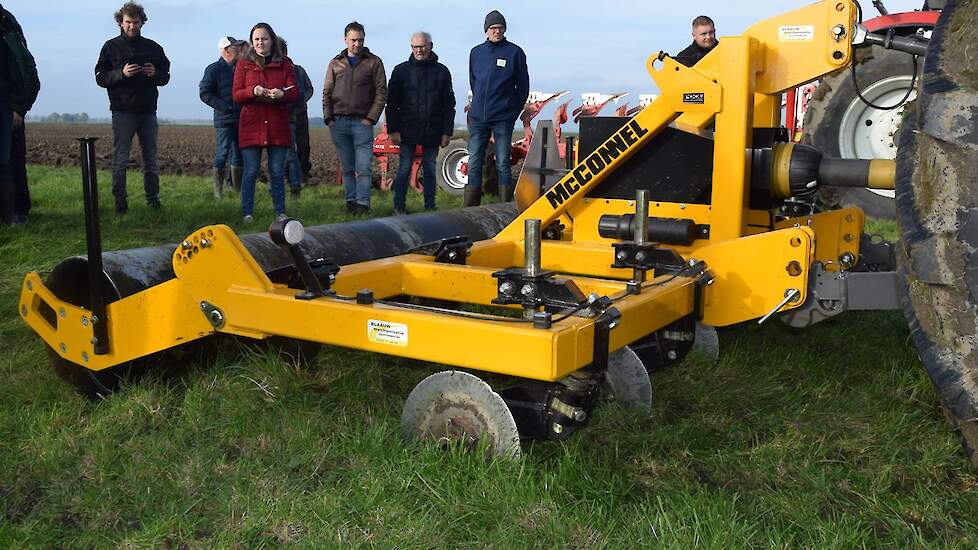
(505, 194)
(236, 172)
(472, 196)
(218, 175)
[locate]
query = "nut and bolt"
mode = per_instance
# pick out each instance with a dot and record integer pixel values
(847, 259)
(217, 317)
(621, 255)
(452, 255)
(204, 243)
(838, 32)
(580, 415)
(506, 287)
(640, 256)
(64, 348)
(84, 321)
(557, 428)
(672, 355)
(528, 290)
(186, 245)
(85, 356)
(62, 313)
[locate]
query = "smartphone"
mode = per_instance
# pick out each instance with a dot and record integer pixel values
(287, 88)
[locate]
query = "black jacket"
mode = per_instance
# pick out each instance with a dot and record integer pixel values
(136, 94)
(692, 54)
(420, 101)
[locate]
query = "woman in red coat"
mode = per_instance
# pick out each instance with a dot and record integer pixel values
(264, 85)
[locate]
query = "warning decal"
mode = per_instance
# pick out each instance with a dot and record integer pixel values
(796, 33)
(384, 332)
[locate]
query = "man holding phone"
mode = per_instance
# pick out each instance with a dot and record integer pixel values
(131, 68)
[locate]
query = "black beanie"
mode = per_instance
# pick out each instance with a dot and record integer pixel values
(493, 18)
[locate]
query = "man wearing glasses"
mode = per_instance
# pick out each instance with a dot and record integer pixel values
(500, 85)
(420, 111)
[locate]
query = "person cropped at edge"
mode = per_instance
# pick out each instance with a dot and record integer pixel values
(18, 91)
(354, 95)
(500, 84)
(132, 67)
(264, 85)
(420, 111)
(215, 91)
(297, 111)
(704, 40)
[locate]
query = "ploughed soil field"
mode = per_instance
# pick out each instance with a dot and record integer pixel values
(182, 150)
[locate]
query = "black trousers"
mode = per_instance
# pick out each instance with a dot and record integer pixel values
(302, 142)
(18, 165)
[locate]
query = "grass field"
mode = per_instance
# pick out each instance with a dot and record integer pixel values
(825, 438)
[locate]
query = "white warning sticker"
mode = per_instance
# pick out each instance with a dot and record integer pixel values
(796, 33)
(384, 332)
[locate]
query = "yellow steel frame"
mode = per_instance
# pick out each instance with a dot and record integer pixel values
(755, 263)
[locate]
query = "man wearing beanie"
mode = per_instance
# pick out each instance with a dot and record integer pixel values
(500, 85)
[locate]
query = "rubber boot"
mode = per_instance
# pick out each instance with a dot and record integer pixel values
(472, 196)
(218, 176)
(236, 172)
(505, 193)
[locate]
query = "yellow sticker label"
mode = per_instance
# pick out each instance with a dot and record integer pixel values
(385, 332)
(796, 33)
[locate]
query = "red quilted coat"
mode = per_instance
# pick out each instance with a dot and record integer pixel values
(263, 122)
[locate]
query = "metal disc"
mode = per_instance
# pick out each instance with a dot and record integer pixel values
(452, 407)
(628, 381)
(706, 343)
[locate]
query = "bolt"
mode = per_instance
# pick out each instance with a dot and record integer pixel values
(557, 428)
(612, 325)
(528, 290)
(621, 255)
(593, 297)
(94, 319)
(204, 243)
(672, 355)
(506, 287)
(580, 415)
(682, 206)
(217, 317)
(847, 259)
(332, 277)
(64, 348)
(85, 356)
(640, 256)
(93, 341)
(61, 313)
(838, 32)
(203, 306)
(84, 321)
(186, 245)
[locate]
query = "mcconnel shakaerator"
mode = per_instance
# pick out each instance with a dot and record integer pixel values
(696, 212)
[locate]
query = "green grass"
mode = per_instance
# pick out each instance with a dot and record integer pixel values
(827, 437)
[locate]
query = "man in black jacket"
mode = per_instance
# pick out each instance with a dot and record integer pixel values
(420, 111)
(19, 86)
(131, 68)
(704, 40)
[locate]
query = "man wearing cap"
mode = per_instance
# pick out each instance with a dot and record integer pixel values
(500, 85)
(215, 91)
(132, 68)
(704, 40)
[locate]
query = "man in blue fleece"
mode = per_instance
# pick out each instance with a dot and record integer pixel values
(500, 85)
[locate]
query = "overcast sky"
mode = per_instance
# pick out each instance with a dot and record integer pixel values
(570, 44)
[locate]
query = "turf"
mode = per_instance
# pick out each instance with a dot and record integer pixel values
(830, 437)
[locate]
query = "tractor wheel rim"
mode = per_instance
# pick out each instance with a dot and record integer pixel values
(870, 133)
(452, 169)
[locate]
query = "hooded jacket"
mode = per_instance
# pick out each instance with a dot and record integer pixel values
(215, 90)
(420, 101)
(359, 91)
(263, 122)
(499, 81)
(138, 93)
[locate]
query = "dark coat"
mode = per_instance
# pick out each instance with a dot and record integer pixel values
(692, 54)
(136, 94)
(420, 101)
(499, 81)
(264, 123)
(359, 91)
(215, 90)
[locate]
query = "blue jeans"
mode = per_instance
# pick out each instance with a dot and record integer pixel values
(227, 146)
(478, 140)
(354, 142)
(6, 173)
(293, 167)
(276, 176)
(124, 127)
(406, 159)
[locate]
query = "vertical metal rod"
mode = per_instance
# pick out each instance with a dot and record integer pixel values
(641, 216)
(531, 247)
(569, 152)
(93, 237)
(543, 160)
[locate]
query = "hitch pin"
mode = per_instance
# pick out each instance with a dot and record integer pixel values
(790, 296)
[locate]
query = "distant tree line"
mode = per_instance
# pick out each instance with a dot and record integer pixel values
(63, 118)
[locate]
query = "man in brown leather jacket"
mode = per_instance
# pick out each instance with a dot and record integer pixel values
(354, 95)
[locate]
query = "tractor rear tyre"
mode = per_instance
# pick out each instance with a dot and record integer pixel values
(937, 211)
(841, 125)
